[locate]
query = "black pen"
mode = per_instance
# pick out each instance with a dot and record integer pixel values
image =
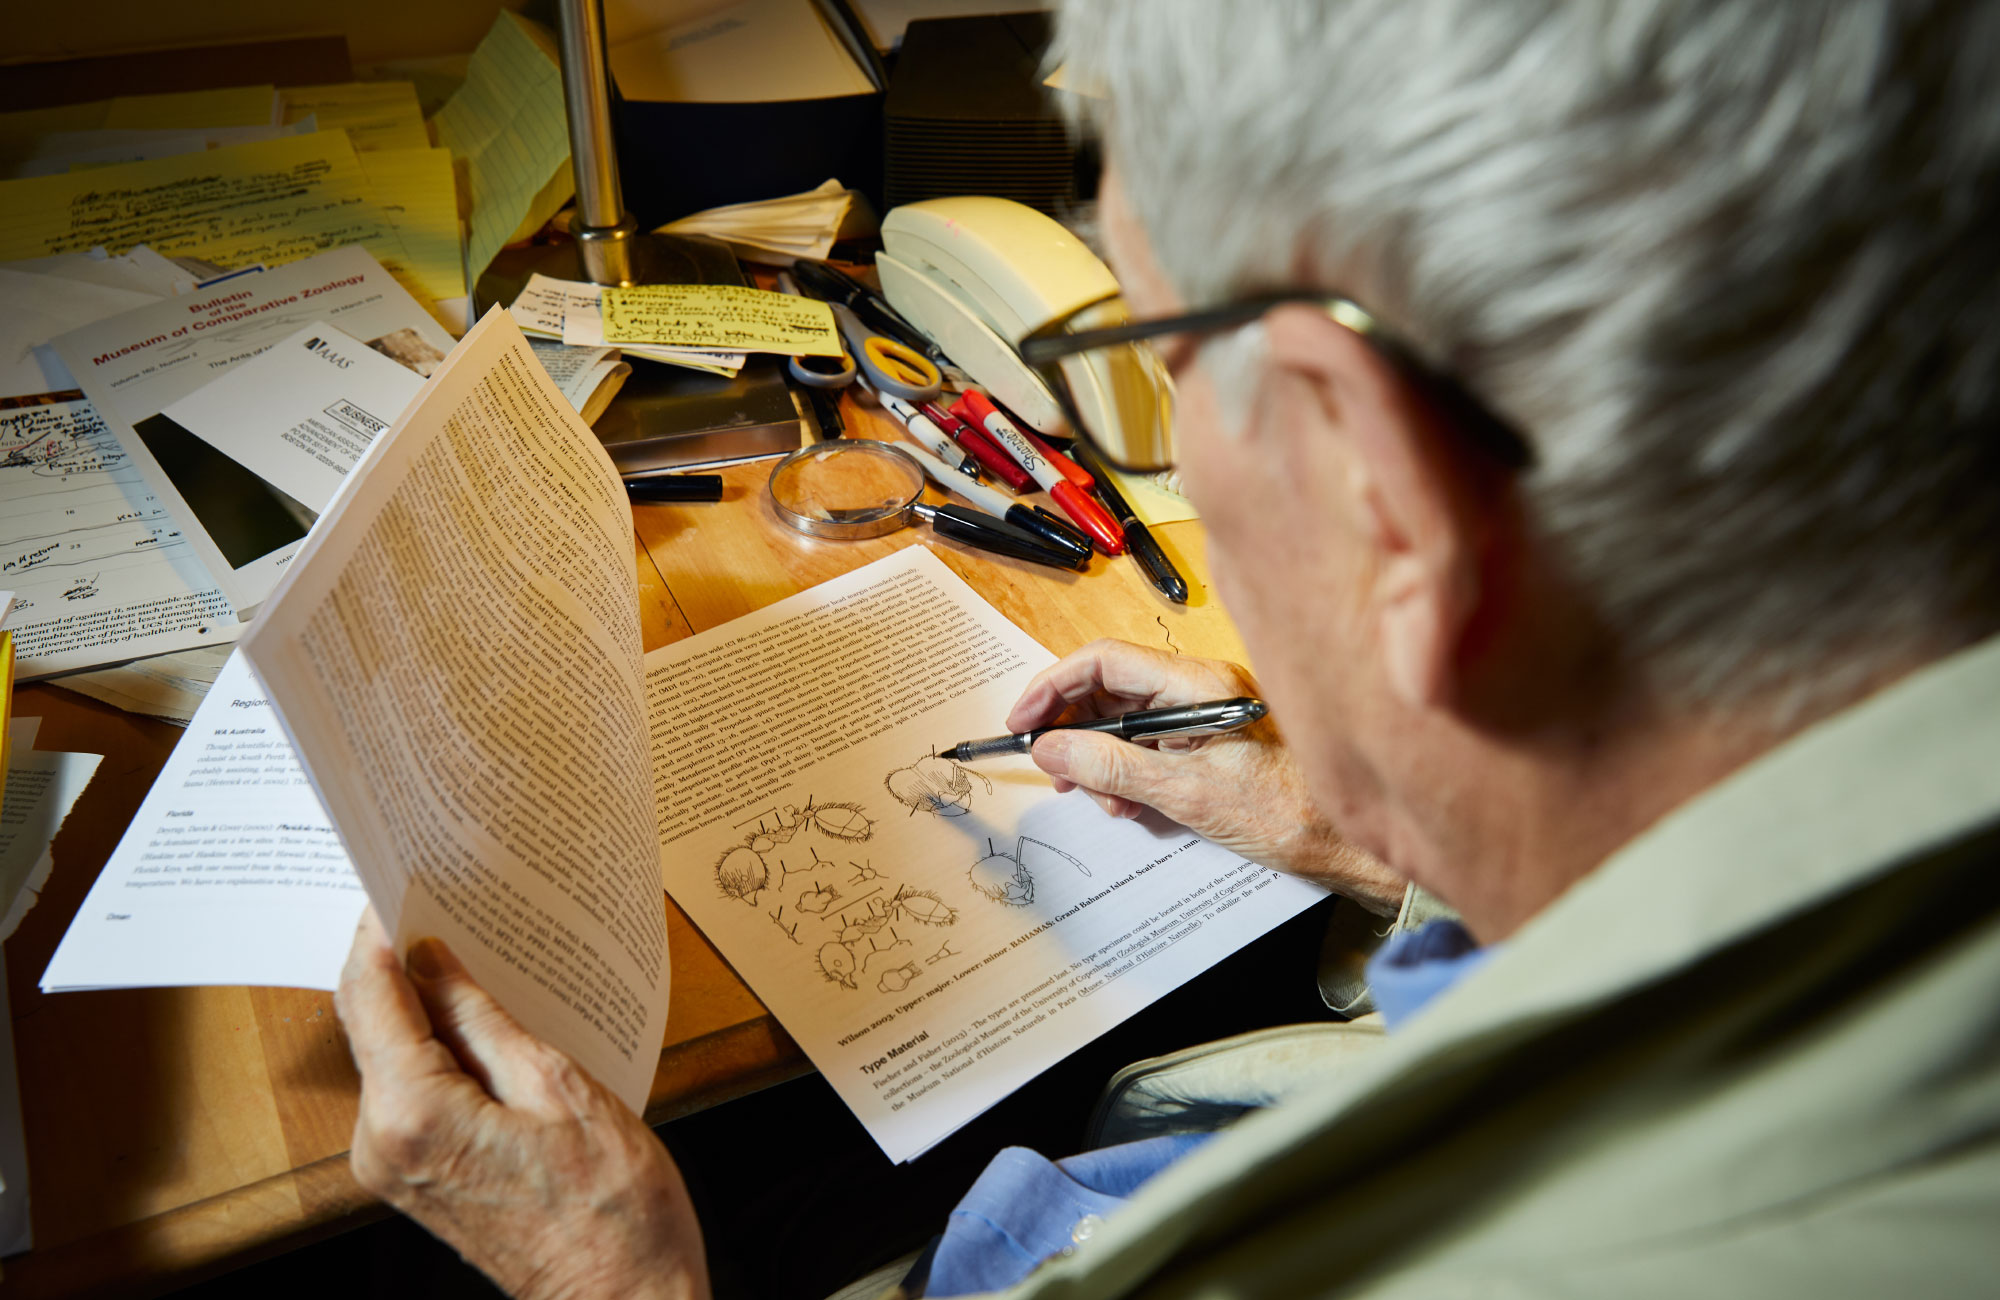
(1138, 538)
(1182, 720)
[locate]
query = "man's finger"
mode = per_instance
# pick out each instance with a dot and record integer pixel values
(1147, 677)
(488, 1042)
(387, 1028)
(1104, 765)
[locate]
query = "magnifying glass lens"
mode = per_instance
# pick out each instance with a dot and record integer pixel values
(831, 489)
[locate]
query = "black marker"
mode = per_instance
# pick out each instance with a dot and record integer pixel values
(674, 487)
(1138, 538)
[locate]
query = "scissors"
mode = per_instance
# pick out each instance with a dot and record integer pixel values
(882, 363)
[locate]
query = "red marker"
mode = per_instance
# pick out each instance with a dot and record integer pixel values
(983, 449)
(977, 411)
(1069, 469)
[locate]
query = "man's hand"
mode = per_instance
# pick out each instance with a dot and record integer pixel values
(502, 1145)
(1241, 789)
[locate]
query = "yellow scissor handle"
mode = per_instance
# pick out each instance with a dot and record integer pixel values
(901, 365)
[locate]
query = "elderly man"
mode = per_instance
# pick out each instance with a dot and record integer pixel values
(1604, 477)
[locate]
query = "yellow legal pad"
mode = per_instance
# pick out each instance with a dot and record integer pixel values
(722, 318)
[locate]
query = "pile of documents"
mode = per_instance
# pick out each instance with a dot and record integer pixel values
(161, 464)
(152, 246)
(249, 190)
(778, 232)
(572, 312)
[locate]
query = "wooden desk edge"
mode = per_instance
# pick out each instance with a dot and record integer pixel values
(319, 1200)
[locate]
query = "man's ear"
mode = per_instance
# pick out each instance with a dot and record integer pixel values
(1411, 493)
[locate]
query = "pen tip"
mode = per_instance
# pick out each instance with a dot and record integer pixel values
(951, 753)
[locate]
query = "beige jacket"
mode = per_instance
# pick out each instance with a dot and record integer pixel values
(1756, 1053)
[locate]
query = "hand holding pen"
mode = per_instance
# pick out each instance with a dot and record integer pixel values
(1240, 788)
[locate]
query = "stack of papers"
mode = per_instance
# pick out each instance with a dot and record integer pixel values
(99, 567)
(143, 373)
(588, 377)
(169, 687)
(572, 312)
(778, 232)
(377, 115)
(265, 203)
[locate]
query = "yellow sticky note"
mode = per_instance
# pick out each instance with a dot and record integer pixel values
(235, 106)
(507, 123)
(376, 115)
(273, 202)
(416, 189)
(722, 318)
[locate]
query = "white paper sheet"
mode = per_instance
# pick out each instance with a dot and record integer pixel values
(61, 151)
(229, 873)
(302, 413)
(39, 307)
(933, 935)
(138, 268)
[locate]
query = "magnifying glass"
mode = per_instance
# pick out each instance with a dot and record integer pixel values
(855, 488)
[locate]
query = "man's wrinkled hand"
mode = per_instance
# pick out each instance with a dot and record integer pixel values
(502, 1145)
(1241, 789)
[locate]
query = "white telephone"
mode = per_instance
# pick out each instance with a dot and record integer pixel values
(977, 274)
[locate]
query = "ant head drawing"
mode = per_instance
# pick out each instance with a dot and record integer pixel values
(935, 785)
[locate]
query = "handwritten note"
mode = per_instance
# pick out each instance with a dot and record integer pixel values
(723, 317)
(271, 202)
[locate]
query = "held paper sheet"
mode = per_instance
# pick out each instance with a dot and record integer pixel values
(456, 657)
(229, 873)
(933, 935)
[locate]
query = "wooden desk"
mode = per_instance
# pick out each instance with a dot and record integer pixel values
(174, 1133)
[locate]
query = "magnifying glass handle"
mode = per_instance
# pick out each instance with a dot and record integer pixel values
(987, 533)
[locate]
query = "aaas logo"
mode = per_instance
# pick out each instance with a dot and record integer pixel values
(320, 348)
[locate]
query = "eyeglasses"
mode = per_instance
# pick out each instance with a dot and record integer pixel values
(1106, 418)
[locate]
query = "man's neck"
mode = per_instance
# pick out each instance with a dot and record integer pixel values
(1557, 816)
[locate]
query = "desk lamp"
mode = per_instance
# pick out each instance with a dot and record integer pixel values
(664, 416)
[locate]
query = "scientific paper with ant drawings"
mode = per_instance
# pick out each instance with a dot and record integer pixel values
(933, 934)
(455, 655)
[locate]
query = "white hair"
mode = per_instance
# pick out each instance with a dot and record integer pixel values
(1730, 266)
